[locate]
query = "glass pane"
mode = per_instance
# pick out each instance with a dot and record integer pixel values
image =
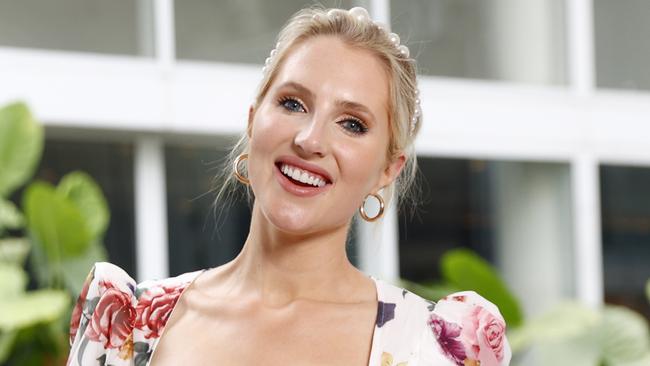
(520, 41)
(234, 31)
(352, 245)
(516, 215)
(197, 237)
(455, 213)
(625, 202)
(116, 26)
(622, 51)
(111, 166)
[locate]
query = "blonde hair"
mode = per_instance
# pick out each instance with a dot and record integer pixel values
(366, 35)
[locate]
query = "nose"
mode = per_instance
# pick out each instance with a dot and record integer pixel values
(311, 138)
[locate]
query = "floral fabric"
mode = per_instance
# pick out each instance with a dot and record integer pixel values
(118, 322)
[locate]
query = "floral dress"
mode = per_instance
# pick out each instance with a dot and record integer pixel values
(119, 322)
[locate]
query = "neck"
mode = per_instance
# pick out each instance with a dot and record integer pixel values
(279, 268)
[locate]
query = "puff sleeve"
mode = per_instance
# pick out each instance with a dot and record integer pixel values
(101, 325)
(464, 329)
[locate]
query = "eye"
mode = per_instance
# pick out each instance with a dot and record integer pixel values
(292, 104)
(354, 126)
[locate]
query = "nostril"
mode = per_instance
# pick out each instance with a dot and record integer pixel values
(310, 143)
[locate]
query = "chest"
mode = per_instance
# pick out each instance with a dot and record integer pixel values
(252, 335)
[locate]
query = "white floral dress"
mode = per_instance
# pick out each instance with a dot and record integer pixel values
(118, 322)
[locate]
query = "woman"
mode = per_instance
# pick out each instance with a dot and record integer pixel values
(332, 125)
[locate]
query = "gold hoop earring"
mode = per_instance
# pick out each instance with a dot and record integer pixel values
(235, 167)
(362, 211)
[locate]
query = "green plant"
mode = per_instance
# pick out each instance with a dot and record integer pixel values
(66, 223)
(575, 334)
(64, 226)
(568, 334)
(463, 269)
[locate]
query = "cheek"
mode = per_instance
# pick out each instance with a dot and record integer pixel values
(269, 131)
(263, 125)
(360, 166)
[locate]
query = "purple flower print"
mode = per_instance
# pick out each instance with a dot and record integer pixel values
(447, 335)
(385, 313)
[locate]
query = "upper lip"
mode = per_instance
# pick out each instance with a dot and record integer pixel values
(297, 162)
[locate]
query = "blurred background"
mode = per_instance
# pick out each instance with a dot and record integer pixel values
(534, 151)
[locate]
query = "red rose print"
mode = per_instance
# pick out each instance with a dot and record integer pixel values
(154, 307)
(78, 308)
(113, 318)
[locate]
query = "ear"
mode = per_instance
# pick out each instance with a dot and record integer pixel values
(392, 170)
(251, 115)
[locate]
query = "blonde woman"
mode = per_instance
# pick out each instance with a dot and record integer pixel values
(332, 126)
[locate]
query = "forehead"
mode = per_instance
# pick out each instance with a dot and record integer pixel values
(332, 69)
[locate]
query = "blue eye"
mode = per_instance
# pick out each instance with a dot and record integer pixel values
(292, 105)
(354, 126)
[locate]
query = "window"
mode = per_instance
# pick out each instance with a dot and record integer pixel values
(115, 27)
(454, 213)
(516, 215)
(234, 31)
(520, 41)
(625, 202)
(621, 44)
(198, 238)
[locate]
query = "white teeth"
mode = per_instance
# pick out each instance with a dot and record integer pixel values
(301, 175)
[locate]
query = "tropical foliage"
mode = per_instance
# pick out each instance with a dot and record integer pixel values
(56, 234)
(568, 334)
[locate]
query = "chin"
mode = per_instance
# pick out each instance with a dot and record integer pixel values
(293, 221)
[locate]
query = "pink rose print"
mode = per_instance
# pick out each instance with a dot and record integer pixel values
(484, 334)
(113, 318)
(154, 308)
(478, 333)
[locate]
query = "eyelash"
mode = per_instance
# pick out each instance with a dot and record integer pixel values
(360, 131)
(282, 102)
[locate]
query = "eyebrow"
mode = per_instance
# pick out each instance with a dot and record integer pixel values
(345, 104)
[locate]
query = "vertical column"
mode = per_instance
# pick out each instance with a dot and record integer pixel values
(585, 173)
(380, 11)
(532, 209)
(165, 50)
(532, 55)
(150, 209)
(164, 33)
(150, 190)
(588, 250)
(379, 242)
(580, 46)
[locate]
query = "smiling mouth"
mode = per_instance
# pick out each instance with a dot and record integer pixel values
(301, 177)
